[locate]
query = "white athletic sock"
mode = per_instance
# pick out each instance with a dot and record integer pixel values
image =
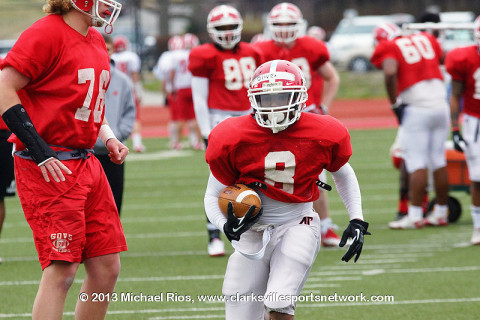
(475, 216)
(440, 211)
(137, 139)
(325, 224)
(415, 213)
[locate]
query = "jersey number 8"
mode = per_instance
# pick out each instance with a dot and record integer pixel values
(238, 72)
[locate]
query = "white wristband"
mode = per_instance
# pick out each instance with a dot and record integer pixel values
(106, 134)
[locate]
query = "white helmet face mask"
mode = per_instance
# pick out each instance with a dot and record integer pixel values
(92, 9)
(285, 22)
(224, 25)
(277, 94)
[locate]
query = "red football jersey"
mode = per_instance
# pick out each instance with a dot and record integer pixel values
(3, 126)
(228, 71)
(418, 56)
(69, 76)
(463, 64)
(288, 162)
(307, 53)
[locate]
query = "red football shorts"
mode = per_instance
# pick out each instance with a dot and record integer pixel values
(181, 105)
(71, 220)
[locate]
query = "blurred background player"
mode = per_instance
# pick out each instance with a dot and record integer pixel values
(463, 65)
(129, 63)
(285, 22)
(415, 88)
(120, 114)
(221, 72)
(177, 85)
(7, 177)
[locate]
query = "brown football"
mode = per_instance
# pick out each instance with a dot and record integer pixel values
(242, 198)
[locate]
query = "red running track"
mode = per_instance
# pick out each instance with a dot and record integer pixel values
(355, 114)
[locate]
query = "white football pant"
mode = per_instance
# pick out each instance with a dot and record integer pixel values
(250, 286)
(471, 135)
(423, 136)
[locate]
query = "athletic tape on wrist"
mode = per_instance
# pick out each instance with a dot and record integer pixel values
(106, 134)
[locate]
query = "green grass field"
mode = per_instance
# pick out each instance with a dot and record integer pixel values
(430, 273)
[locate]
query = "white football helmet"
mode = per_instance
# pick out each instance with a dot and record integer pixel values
(175, 43)
(476, 31)
(190, 41)
(277, 93)
(386, 31)
(285, 22)
(224, 25)
(91, 8)
(317, 32)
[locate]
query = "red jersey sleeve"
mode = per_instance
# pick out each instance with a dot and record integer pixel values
(31, 54)
(454, 65)
(384, 50)
(202, 60)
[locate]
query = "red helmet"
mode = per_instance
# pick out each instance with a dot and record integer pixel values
(224, 25)
(91, 8)
(120, 43)
(316, 32)
(285, 22)
(277, 94)
(175, 43)
(386, 31)
(190, 41)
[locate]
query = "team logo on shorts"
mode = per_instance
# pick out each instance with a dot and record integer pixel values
(306, 220)
(61, 241)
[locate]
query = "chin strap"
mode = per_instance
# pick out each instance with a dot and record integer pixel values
(106, 29)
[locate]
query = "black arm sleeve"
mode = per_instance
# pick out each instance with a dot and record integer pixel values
(17, 120)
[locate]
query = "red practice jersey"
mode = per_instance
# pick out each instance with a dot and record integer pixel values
(288, 162)
(3, 126)
(463, 64)
(307, 53)
(418, 57)
(69, 76)
(228, 72)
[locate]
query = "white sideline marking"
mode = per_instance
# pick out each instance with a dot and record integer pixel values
(221, 276)
(319, 305)
(208, 316)
(160, 155)
(354, 304)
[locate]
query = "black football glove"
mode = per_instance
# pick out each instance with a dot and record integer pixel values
(234, 227)
(355, 230)
(205, 140)
(458, 143)
(398, 110)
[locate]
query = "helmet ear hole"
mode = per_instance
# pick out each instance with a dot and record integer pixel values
(84, 5)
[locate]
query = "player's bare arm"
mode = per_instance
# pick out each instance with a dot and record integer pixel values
(390, 69)
(331, 83)
(19, 123)
(456, 94)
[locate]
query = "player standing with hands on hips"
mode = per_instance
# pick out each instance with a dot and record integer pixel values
(283, 150)
(52, 97)
(417, 94)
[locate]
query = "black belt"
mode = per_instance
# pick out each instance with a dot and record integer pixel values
(61, 155)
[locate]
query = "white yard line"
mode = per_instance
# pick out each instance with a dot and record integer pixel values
(212, 316)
